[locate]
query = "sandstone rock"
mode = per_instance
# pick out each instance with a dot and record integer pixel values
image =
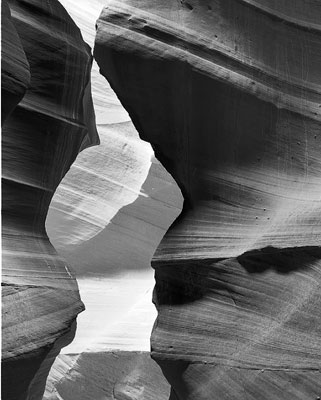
(40, 139)
(228, 94)
(118, 375)
(81, 223)
(15, 73)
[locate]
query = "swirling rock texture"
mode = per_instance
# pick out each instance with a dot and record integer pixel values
(44, 55)
(228, 94)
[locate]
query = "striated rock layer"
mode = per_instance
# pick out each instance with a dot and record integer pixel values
(228, 94)
(40, 139)
(15, 71)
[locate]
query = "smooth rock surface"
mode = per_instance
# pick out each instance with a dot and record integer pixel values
(40, 139)
(228, 94)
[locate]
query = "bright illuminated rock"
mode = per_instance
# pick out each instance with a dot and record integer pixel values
(115, 375)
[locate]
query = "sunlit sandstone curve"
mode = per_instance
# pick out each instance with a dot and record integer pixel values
(228, 94)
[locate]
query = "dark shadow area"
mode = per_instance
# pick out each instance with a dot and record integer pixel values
(282, 261)
(26, 374)
(181, 281)
(173, 371)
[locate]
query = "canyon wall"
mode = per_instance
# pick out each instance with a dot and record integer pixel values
(49, 118)
(228, 94)
(15, 71)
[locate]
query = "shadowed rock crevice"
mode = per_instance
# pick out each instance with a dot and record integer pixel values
(282, 261)
(186, 281)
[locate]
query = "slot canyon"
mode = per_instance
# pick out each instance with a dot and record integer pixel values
(161, 200)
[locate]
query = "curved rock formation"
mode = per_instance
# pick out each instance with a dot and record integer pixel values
(79, 221)
(40, 139)
(228, 94)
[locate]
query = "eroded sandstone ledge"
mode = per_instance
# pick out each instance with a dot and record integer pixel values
(228, 94)
(45, 57)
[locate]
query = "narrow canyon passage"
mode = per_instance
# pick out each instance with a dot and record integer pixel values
(110, 256)
(106, 219)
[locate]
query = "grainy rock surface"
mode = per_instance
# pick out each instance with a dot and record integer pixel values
(40, 139)
(228, 94)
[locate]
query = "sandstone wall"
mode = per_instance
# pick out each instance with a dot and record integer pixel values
(228, 94)
(45, 57)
